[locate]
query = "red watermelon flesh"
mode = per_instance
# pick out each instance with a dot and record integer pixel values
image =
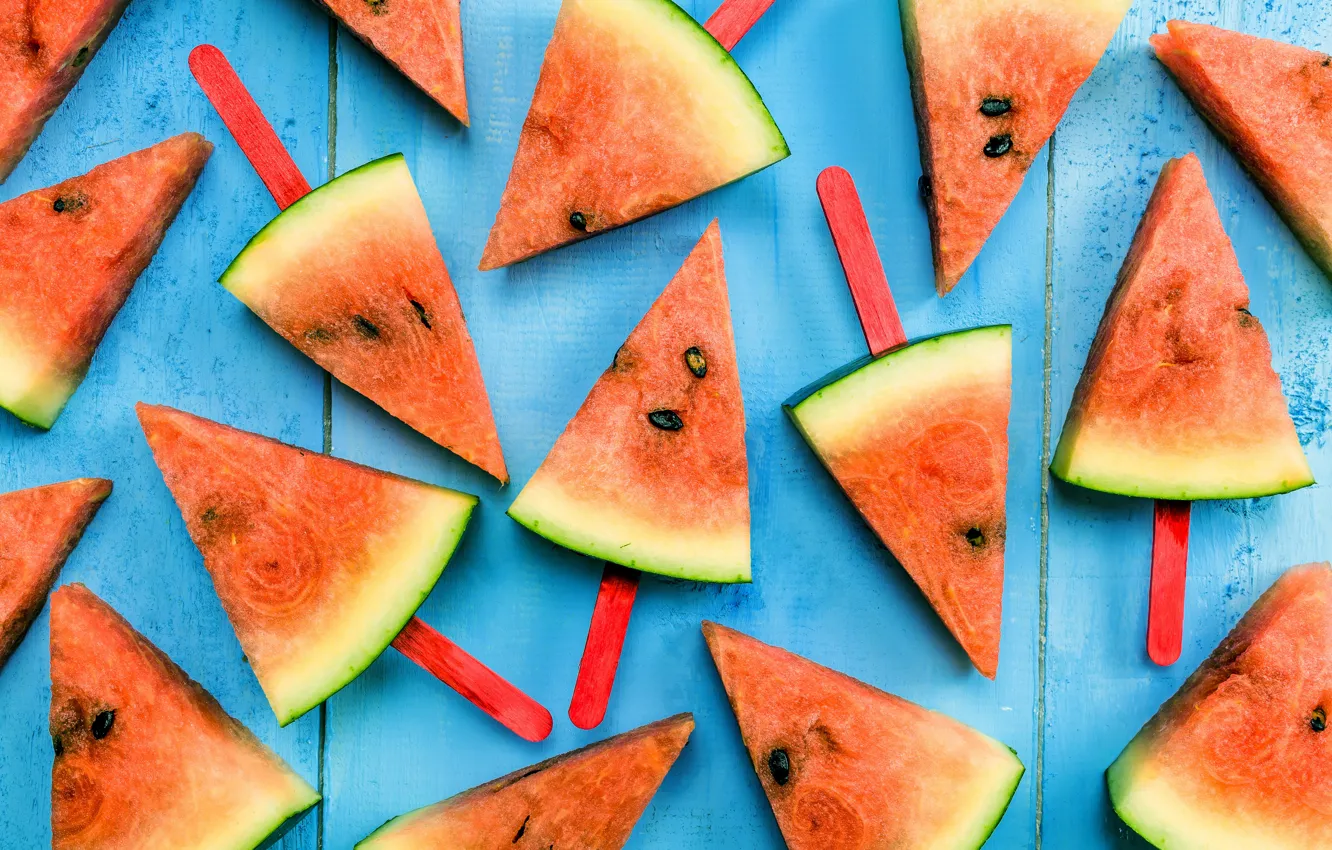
(145, 758)
(990, 81)
(1178, 399)
(318, 562)
(638, 109)
(590, 798)
(1239, 757)
(421, 38)
(1272, 102)
(44, 47)
(850, 767)
(651, 473)
(39, 528)
(72, 253)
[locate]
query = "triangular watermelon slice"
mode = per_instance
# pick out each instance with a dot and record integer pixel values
(350, 274)
(38, 529)
(589, 799)
(1239, 757)
(990, 81)
(918, 439)
(421, 38)
(1178, 399)
(846, 765)
(44, 48)
(318, 562)
(638, 109)
(145, 757)
(71, 255)
(1272, 102)
(652, 473)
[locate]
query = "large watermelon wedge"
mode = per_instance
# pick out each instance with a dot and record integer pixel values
(652, 473)
(318, 562)
(990, 80)
(71, 255)
(145, 759)
(1273, 103)
(589, 799)
(1178, 399)
(638, 109)
(850, 767)
(38, 529)
(1239, 758)
(918, 439)
(44, 48)
(350, 274)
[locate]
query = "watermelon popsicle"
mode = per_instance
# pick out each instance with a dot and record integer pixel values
(422, 644)
(917, 437)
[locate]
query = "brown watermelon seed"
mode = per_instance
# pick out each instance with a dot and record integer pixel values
(993, 107)
(975, 537)
(521, 830)
(578, 221)
(997, 146)
(69, 203)
(697, 363)
(102, 723)
(1246, 319)
(1318, 722)
(779, 765)
(666, 420)
(318, 335)
(81, 56)
(420, 312)
(378, 7)
(209, 515)
(365, 327)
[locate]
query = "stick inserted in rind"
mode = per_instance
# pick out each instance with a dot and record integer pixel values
(1170, 561)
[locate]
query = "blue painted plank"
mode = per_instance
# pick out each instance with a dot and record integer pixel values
(180, 340)
(546, 329)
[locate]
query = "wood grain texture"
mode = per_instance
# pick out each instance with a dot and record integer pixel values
(1170, 569)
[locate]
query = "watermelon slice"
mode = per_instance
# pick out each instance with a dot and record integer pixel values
(638, 109)
(1239, 757)
(652, 473)
(990, 81)
(44, 49)
(145, 757)
(1272, 102)
(1178, 399)
(918, 439)
(72, 253)
(848, 766)
(421, 38)
(318, 562)
(38, 529)
(350, 274)
(590, 798)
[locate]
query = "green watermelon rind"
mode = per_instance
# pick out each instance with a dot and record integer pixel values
(1007, 793)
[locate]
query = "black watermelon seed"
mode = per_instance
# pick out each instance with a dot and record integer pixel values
(666, 420)
(58, 745)
(993, 107)
(779, 765)
(1318, 722)
(209, 515)
(102, 723)
(997, 146)
(975, 537)
(697, 363)
(578, 221)
(521, 830)
(420, 312)
(59, 205)
(81, 57)
(365, 327)
(924, 188)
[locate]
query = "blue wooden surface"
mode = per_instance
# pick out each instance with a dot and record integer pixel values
(833, 74)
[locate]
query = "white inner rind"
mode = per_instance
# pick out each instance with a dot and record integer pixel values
(27, 387)
(271, 806)
(993, 783)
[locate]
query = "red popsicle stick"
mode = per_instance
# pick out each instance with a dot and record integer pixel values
(605, 640)
(734, 19)
(860, 260)
(1170, 561)
(428, 648)
(619, 586)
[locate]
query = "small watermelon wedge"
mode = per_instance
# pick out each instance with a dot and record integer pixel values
(1178, 399)
(638, 109)
(590, 798)
(850, 767)
(918, 440)
(350, 274)
(991, 79)
(652, 472)
(421, 38)
(1272, 103)
(1239, 757)
(318, 562)
(144, 756)
(44, 49)
(39, 528)
(72, 254)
